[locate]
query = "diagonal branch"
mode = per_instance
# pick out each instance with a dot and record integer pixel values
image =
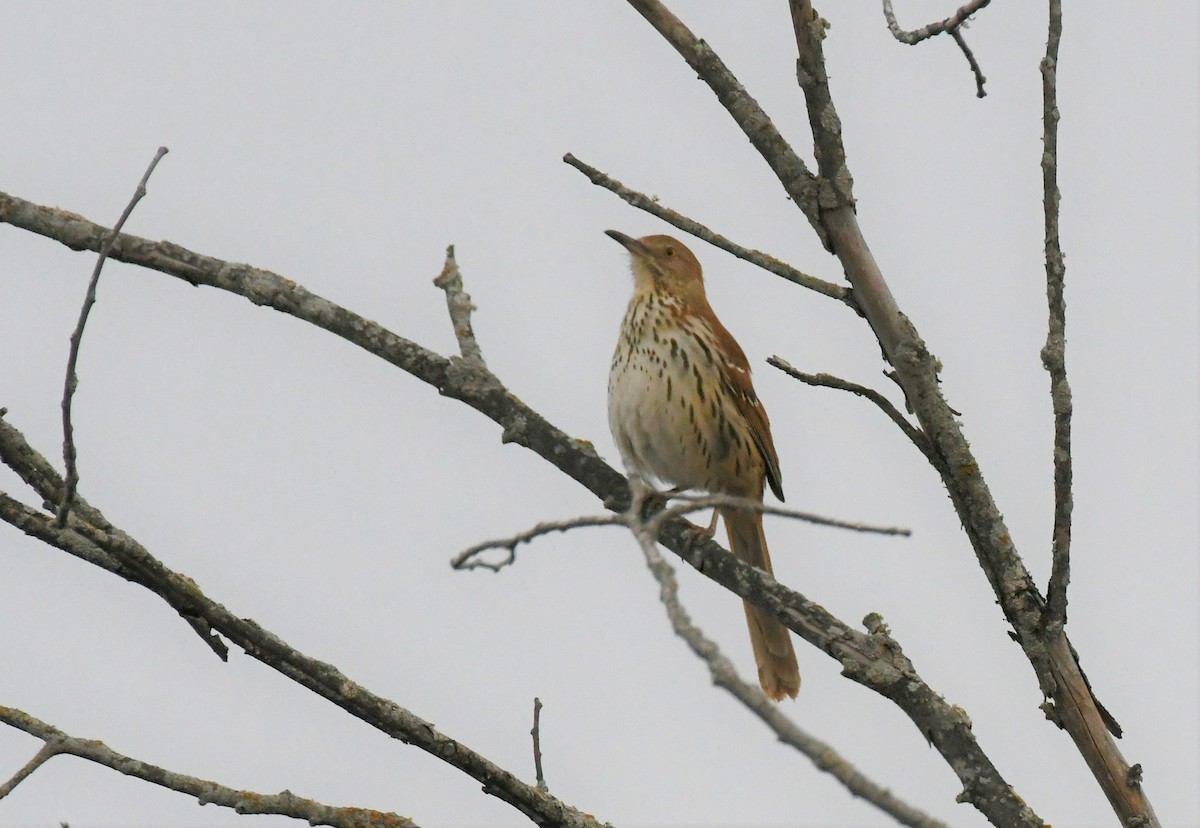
(695, 228)
(912, 432)
(205, 792)
(72, 380)
(186, 597)
(725, 676)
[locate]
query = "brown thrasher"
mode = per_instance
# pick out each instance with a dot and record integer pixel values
(682, 409)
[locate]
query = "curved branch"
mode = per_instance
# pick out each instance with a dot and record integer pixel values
(950, 24)
(71, 382)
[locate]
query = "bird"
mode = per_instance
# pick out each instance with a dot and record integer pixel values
(682, 411)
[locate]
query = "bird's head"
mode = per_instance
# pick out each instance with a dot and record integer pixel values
(665, 264)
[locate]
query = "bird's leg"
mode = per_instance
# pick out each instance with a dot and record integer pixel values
(700, 534)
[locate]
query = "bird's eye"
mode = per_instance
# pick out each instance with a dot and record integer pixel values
(670, 251)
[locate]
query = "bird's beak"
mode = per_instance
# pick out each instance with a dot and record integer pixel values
(631, 244)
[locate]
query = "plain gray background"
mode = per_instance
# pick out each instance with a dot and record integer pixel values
(321, 492)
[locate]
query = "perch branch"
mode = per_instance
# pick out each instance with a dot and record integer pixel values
(756, 257)
(871, 660)
(469, 557)
(72, 379)
(205, 792)
(725, 676)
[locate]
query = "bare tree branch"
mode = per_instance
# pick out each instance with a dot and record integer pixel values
(725, 676)
(469, 557)
(756, 257)
(696, 502)
(1054, 663)
(536, 733)
(860, 655)
(874, 661)
(459, 306)
(952, 25)
(72, 380)
(980, 80)
(205, 792)
(912, 432)
(1054, 351)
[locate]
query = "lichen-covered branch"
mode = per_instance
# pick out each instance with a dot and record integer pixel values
(1054, 352)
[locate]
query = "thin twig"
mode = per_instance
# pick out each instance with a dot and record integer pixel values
(697, 502)
(1054, 351)
(467, 559)
(917, 35)
(912, 432)
(205, 792)
(536, 733)
(725, 676)
(72, 380)
(756, 257)
(953, 26)
(458, 304)
(980, 80)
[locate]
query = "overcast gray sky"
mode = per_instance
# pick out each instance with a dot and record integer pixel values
(322, 492)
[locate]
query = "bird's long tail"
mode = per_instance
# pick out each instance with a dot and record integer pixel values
(778, 672)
